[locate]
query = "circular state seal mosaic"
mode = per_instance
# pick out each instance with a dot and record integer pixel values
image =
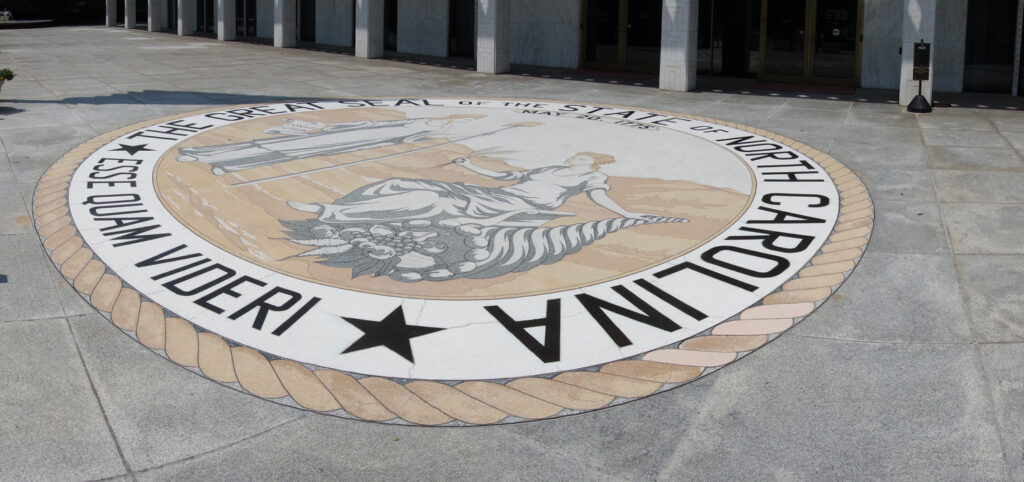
(451, 261)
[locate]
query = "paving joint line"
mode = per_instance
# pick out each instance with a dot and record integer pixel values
(973, 333)
(567, 457)
(226, 446)
(99, 401)
(674, 461)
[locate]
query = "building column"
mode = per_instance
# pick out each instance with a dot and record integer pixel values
(678, 66)
(226, 20)
(369, 28)
(154, 11)
(918, 24)
(285, 23)
(129, 14)
(493, 52)
(186, 17)
(111, 13)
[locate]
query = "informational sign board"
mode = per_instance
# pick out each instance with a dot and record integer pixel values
(922, 57)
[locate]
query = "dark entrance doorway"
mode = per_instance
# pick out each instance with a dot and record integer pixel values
(621, 34)
(245, 19)
(390, 24)
(729, 37)
(811, 41)
(991, 37)
(307, 21)
(172, 15)
(205, 22)
(141, 13)
(462, 28)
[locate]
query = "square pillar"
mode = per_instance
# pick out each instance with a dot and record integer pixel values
(186, 17)
(285, 23)
(155, 11)
(678, 63)
(369, 28)
(111, 13)
(493, 44)
(225, 14)
(129, 14)
(918, 23)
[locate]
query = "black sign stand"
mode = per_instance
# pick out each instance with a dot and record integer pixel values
(919, 104)
(922, 61)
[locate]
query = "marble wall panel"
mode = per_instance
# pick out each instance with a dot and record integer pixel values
(186, 22)
(880, 51)
(546, 33)
(949, 47)
(164, 22)
(334, 22)
(265, 19)
(112, 13)
(131, 16)
(423, 27)
(880, 57)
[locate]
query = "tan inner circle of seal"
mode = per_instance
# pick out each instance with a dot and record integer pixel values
(246, 221)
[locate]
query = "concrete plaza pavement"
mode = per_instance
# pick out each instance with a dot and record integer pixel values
(913, 370)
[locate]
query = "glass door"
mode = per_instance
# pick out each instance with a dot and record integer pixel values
(142, 12)
(307, 21)
(991, 35)
(811, 41)
(205, 23)
(390, 25)
(643, 35)
(601, 33)
(783, 47)
(462, 28)
(245, 19)
(622, 34)
(836, 40)
(172, 16)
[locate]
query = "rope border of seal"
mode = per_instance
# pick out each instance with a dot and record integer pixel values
(426, 402)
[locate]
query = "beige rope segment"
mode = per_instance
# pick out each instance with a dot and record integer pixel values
(425, 402)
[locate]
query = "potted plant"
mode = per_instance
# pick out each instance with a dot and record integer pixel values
(5, 75)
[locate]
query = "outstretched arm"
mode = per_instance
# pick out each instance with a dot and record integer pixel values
(600, 196)
(465, 162)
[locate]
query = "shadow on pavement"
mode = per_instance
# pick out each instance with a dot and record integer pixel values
(4, 110)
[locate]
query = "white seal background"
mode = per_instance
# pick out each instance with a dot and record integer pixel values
(474, 345)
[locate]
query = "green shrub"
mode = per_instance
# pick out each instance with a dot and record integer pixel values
(6, 74)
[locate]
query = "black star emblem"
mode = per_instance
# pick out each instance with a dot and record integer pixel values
(131, 150)
(391, 332)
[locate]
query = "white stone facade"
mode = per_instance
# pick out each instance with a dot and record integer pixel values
(545, 33)
(548, 33)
